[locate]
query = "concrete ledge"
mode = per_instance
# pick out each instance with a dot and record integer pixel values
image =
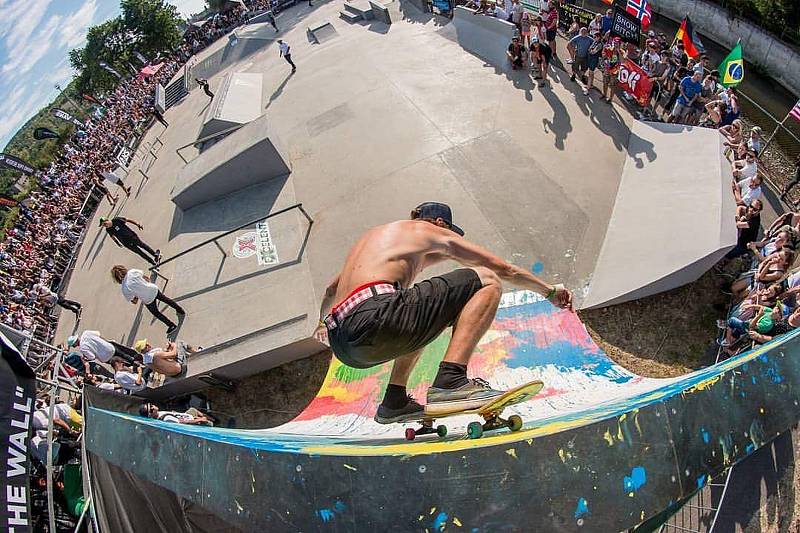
(237, 101)
(248, 156)
(486, 37)
(380, 13)
(323, 33)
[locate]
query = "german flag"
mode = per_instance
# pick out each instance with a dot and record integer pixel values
(691, 42)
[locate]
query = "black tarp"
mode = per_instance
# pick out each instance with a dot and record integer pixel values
(17, 394)
(125, 502)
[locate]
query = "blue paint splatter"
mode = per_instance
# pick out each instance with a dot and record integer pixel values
(582, 508)
(749, 448)
(537, 267)
(339, 506)
(753, 379)
(701, 481)
(326, 515)
(439, 524)
(705, 435)
(635, 481)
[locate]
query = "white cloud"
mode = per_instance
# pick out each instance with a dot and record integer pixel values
(28, 54)
(75, 26)
(12, 118)
(20, 20)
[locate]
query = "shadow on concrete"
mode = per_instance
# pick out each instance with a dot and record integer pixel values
(229, 211)
(296, 261)
(377, 26)
(561, 124)
(279, 90)
(413, 15)
(761, 490)
(100, 238)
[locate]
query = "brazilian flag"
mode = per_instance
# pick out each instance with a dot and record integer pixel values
(731, 70)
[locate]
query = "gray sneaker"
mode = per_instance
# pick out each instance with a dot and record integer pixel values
(472, 395)
(409, 412)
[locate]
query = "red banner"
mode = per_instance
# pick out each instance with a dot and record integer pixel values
(634, 80)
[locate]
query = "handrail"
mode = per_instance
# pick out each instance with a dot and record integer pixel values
(206, 138)
(234, 230)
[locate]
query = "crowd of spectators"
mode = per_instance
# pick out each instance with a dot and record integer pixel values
(37, 250)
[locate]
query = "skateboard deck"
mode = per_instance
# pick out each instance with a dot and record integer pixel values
(490, 412)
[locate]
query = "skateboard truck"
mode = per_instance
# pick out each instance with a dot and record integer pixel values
(426, 429)
(493, 421)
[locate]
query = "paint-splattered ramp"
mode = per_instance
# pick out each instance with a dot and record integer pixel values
(601, 449)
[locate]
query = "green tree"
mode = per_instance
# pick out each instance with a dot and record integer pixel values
(154, 22)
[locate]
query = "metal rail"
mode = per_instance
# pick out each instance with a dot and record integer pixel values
(206, 138)
(213, 240)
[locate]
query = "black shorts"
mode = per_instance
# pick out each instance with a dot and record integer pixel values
(551, 35)
(391, 325)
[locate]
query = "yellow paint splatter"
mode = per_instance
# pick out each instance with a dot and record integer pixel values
(433, 510)
(761, 410)
(238, 506)
(512, 452)
(608, 437)
(562, 455)
(456, 521)
(641, 517)
(347, 466)
(630, 494)
(530, 442)
(420, 518)
(636, 420)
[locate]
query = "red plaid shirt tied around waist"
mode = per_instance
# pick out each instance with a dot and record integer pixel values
(358, 296)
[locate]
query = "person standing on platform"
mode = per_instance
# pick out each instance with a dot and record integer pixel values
(123, 236)
(286, 53)
(135, 287)
(204, 84)
(271, 19)
(112, 177)
(51, 298)
(160, 117)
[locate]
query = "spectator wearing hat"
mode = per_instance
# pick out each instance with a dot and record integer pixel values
(541, 55)
(126, 378)
(191, 416)
(93, 347)
(612, 57)
(135, 288)
(119, 231)
(169, 360)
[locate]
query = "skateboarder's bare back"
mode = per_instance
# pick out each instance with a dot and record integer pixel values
(380, 316)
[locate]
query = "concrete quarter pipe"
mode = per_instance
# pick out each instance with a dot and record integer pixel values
(601, 448)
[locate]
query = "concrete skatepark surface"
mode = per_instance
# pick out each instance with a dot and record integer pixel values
(374, 122)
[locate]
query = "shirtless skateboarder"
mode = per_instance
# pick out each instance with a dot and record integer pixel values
(380, 316)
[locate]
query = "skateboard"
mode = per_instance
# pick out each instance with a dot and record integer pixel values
(490, 412)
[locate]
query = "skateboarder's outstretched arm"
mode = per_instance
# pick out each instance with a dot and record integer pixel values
(327, 299)
(470, 254)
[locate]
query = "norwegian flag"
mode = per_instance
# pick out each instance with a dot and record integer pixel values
(641, 10)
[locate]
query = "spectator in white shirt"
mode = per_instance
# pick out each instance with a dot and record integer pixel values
(747, 190)
(92, 346)
(747, 168)
(135, 288)
(130, 381)
(191, 416)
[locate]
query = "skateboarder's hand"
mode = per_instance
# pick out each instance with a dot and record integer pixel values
(562, 297)
(321, 334)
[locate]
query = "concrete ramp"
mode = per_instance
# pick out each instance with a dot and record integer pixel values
(323, 33)
(601, 449)
(673, 217)
(486, 37)
(237, 101)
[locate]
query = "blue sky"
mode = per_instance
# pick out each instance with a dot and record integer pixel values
(35, 39)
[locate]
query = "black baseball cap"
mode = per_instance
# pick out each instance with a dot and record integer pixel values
(434, 210)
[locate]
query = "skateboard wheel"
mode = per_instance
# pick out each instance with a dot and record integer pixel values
(410, 433)
(474, 430)
(441, 431)
(514, 422)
